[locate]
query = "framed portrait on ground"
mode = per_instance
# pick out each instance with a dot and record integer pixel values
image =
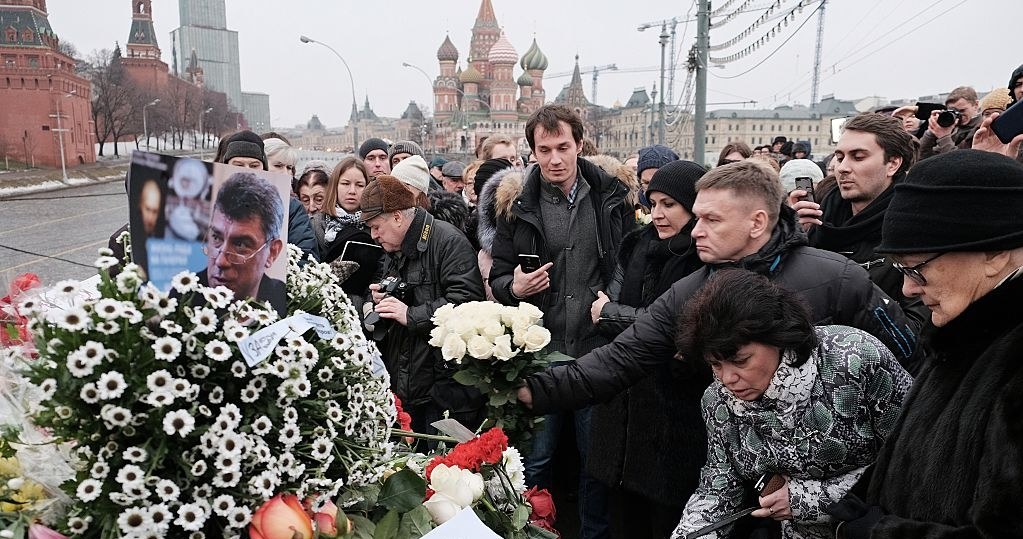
(226, 224)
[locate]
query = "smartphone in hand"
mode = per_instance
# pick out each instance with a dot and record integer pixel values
(529, 263)
(1009, 123)
(806, 184)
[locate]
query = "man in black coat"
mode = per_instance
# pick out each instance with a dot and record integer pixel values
(873, 156)
(435, 265)
(571, 216)
(742, 223)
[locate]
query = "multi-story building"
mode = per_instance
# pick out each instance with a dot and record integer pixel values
(47, 106)
(204, 30)
(255, 106)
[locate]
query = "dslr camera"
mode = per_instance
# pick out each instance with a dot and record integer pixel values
(390, 286)
(948, 117)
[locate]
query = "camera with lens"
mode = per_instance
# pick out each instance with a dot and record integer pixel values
(390, 286)
(948, 117)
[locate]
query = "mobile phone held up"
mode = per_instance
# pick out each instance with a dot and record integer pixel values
(806, 184)
(529, 263)
(1009, 123)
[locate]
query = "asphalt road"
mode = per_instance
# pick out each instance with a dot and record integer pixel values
(56, 234)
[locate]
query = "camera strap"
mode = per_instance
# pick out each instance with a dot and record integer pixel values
(424, 236)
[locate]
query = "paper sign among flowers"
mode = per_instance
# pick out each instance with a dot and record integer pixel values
(495, 347)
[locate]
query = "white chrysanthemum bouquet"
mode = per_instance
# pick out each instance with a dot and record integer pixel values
(175, 433)
(495, 347)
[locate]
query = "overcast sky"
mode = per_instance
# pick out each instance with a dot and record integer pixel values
(895, 49)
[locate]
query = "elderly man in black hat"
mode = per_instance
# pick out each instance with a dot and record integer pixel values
(451, 179)
(954, 465)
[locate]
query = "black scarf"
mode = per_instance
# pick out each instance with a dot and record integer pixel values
(842, 231)
(653, 264)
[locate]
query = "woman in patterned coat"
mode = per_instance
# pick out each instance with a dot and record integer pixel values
(812, 405)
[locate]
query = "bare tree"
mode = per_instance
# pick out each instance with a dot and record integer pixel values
(116, 107)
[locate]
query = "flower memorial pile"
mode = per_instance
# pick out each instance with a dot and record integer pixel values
(495, 347)
(174, 433)
(483, 475)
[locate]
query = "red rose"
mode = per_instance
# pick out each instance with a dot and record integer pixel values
(543, 508)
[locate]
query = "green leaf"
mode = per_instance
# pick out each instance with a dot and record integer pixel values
(363, 528)
(498, 399)
(466, 378)
(551, 357)
(403, 491)
(415, 524)
(387, 528)
(536, 532)
(520, 517)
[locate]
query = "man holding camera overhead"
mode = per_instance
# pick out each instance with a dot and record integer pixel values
(953, 127)
(428, 263)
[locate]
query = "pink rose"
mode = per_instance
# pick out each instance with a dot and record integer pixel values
(281, 517)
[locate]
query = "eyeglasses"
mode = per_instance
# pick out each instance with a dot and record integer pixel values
(913, 272)
(214, 247)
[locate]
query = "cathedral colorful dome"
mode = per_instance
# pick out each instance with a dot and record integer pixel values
(525, 79)
(534, 58)
(447, 51)
(502, 52)
(471, 75)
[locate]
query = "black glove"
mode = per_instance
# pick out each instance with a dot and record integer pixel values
(858, 518)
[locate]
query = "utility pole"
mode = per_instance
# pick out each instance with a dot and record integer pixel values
(660, 105)
(60, 134)
(702, 57)
(817, 55)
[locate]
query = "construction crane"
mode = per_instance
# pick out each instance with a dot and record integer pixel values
(592, 69)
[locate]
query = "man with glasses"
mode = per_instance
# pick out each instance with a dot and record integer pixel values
(243, 240)
(872, 157)
(937, 139)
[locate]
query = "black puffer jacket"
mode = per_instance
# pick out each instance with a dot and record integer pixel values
(439, 266)
(837, 290)
(630, 432)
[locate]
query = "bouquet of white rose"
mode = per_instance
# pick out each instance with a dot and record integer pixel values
(495, 347)
(175, 433)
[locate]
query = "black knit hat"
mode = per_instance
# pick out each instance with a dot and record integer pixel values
(655, 156)
(678, 180)
(245, 144)
(966, 200)
(371, 144)
(487, 171)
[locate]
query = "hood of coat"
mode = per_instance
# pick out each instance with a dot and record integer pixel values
(624, 173)
(495, 200)
(1016, 74)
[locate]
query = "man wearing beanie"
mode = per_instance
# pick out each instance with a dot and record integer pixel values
(873, 155)
(413, 173)
(403, 149)
(436, 265)
(953, 465)
(652, 158)
(373, 153)
(245, 149)
(631, 431)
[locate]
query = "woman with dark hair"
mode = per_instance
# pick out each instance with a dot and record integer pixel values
(811, 405)
(650, 485)
(338, 224)
(734, 152)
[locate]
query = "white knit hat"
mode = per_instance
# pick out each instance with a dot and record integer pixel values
(796, 168)
(413, 171)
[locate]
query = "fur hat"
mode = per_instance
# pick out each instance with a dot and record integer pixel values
(655, 156)
(799, 168)
(384, 195)
(678, 180)
(412, 171)
(453, 169)
(406, 146)
(779, 139)
(245, 144)
(997, 99)
(371, 144)
(944, 204)
(449, 207)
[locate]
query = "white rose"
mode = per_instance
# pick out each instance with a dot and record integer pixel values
(437, 336)
(460, 485)
(493, 329)
(441, 508)
(536, 338)
(521, 322)
(463, 327)
(453, 348)
(519, 336)
(480, 347)
(532, 311)
(503, 348)
(443, 314)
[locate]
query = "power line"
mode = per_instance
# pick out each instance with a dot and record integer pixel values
(775, 51)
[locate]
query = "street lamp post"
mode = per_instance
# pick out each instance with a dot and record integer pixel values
(202, 145)
(60, 135)
(355, 107)
(145, 123)
(430, 82)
